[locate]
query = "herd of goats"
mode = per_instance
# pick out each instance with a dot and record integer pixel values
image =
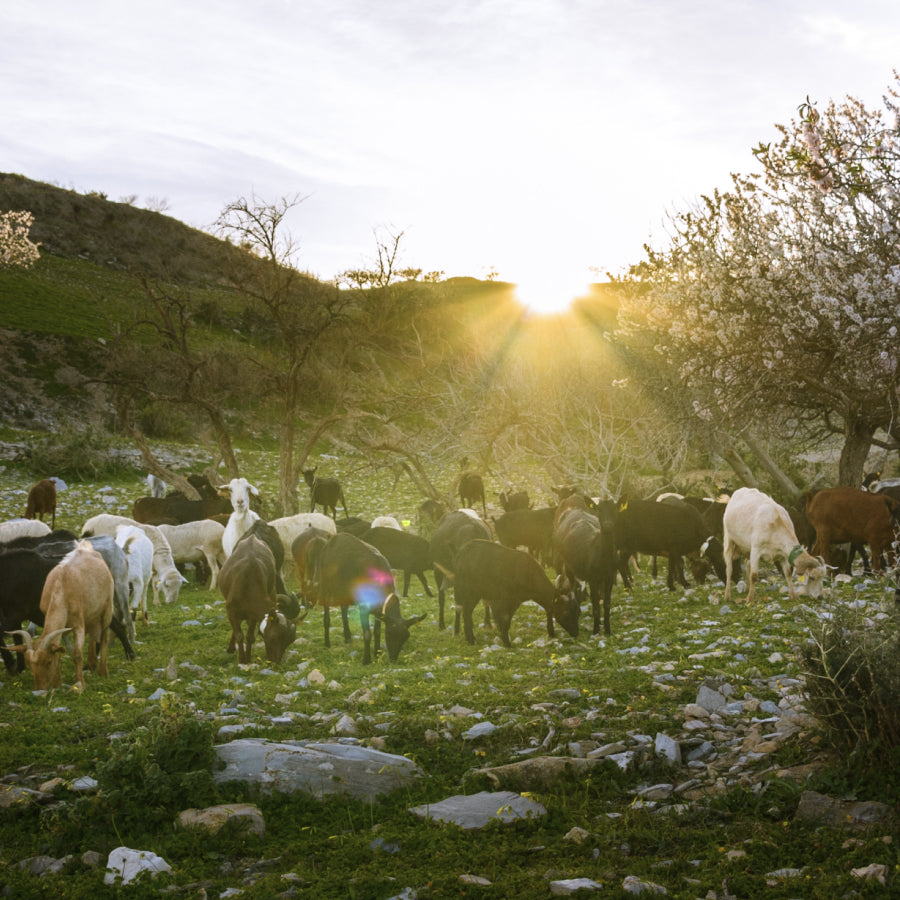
(98, 582)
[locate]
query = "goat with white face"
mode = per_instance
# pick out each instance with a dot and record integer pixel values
(240, 521)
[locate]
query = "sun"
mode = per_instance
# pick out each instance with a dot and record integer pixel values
(550, 293)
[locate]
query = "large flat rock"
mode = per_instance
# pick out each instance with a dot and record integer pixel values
(474, 811)
(318, 769)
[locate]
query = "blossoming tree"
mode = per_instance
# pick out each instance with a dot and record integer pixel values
(16, 248)
(779, 300)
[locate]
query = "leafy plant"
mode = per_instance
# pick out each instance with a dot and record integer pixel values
(852, 673)
(162, 767)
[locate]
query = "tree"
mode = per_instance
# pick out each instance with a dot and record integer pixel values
(162, 357)
(297, 312)
(777, 301)
(16, 248)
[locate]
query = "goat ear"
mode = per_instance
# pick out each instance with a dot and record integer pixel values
(414, 620)
(253, 490)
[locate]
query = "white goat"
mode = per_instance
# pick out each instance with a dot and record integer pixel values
(193, 542)
(16, 528)
(242, 519)
(290, 527)
(167, 577)
(139, 556)
(156, 486)
(755, 525)
(386, 522)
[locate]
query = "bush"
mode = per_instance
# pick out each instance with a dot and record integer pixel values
(79, 454)
(162, 767)
(852, 671)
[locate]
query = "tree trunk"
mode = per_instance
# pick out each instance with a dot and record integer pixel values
(769, 464)
(151, 463)
(288, 504)
(740, 468)
(858, 436)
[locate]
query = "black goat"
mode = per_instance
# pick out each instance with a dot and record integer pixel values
(471, 490)
(325, 491)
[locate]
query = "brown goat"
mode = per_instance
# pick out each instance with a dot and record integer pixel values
(849, 514)
(77, 597)
(41, 500)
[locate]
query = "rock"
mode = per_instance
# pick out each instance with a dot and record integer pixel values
(314, 768)
(633, 885)
(709, 699)
(874, 872)
(476, 810)
(572, 885)
(668, 748)
(848, 813)
(125, 865)
(577, 835)
(84, 785)
(13, 795)
(541, 773)
(475, 879)
(315, 677)
(213, 818)
(607, 750)
(172, 670)
(37, 865)
(345, 726)
(656, 792)
(482, 729)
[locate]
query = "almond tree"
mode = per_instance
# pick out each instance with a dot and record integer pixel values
(778, 300)
(16, 248)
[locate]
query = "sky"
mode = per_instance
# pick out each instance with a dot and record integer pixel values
(541, 141)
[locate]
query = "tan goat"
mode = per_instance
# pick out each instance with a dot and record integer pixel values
(77, 597)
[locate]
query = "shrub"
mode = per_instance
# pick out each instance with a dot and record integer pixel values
(162, 767)
(80, 454)
(852, 671)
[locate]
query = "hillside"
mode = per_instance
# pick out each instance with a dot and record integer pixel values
(119, 236)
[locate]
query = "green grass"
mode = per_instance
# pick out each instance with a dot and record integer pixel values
(326, 849)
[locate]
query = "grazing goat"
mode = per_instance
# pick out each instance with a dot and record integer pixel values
(353, 573)
(386, 522)
(325, 491)
(672, 528)
(193, 542)
(278, 633)
(289, 528)
(849, 514)
(514, 500)
(584, 550)
(407, 552)
(531, 528)
(305, 552)
(506, 579)
(755, 525)
(247, 581)
(455, 529)
(24, 567)
(77, 597)
(175, 508)
(166, 578)
(42, 500)
(471, 490)
(17, 528)
(138, 550)
(242, 516)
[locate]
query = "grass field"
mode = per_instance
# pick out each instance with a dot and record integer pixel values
(740, 841)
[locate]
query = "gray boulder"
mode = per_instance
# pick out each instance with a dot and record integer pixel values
(313, 768)
(476, 810)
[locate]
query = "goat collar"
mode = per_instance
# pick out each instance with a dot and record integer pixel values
(792, 556)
